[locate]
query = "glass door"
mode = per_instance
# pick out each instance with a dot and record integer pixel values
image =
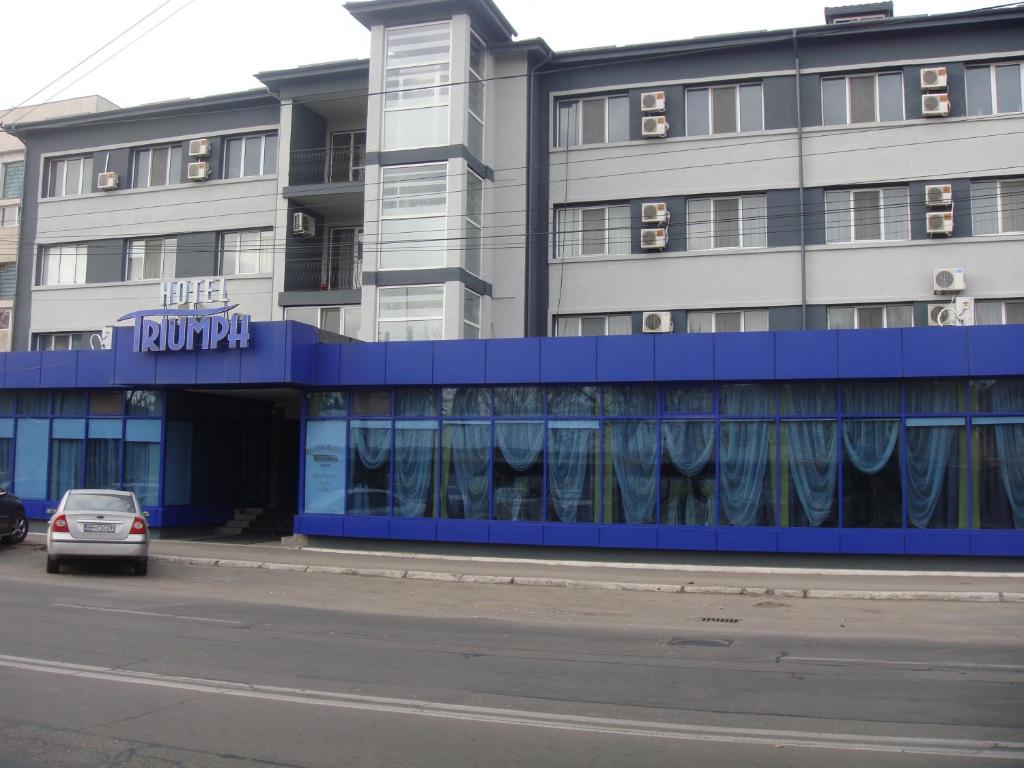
(343, 267)
(348, 150)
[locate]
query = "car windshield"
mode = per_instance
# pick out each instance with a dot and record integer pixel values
(98, 502)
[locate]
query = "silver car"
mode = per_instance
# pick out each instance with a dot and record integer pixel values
(98, 524)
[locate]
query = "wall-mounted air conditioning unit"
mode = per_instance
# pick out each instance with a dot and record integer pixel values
(958, 312)
(935, 105)
(657, 322)
(933, 79)
(654, 213)
(107, 181)
(655, 127)
(303, 225)
(198, 171)
(949, 280)
(199, 148)
(652, 101)
(938, 195)
(653, 239)
(939, 223)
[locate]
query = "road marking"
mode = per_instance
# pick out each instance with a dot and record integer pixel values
(902, 663)
(965, 748)
(180, 617)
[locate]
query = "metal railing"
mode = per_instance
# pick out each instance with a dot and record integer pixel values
(327, 166)
(337, 273)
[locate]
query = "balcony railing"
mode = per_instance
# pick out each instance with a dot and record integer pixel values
(330, 274)
(327, 166)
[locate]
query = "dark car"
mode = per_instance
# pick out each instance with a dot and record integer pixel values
(13, 523)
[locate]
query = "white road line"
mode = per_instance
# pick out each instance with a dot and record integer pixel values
(965, 748)
(901, 663)
(150, 613)
(685, 567)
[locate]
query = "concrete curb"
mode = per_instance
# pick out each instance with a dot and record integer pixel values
(621, 586)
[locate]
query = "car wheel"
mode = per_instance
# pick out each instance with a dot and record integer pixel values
(52, 565)
(19, 530)
(142, 566)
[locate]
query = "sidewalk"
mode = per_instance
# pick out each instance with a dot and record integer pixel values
(904, 578)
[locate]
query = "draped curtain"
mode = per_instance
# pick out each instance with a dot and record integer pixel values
(520, 444)
(371, 442)
(142, 471)
(65, 466)
(634, 446)
(814, 465)
(414, 467)
(570, 452)
(690, 446)
(102, 463)
(1009, 396)
(928, 450)
(470, 453)
(744, 453)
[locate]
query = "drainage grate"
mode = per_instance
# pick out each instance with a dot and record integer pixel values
(719, 619)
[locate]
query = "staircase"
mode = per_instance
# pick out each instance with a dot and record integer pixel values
(269, 522)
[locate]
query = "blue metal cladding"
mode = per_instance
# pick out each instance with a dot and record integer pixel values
(288, 354)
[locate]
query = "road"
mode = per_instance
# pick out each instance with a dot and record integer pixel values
(224, 667)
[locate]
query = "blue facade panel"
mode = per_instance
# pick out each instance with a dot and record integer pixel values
(176, 368)
(806, 355)
(569, 360)
(60, 371)
(413, 529)
(327, 365)
(870, 354)
(934, 352)
(625, 358)
(684, 357)
(466, 531)
(301, 351)
(528, 534)
(363, 364)
(703, 539)
(513, 361)
(995, 350)
(409, 363)
(460, 362)
(95, 369)
(266, 362)
(219, 366)
(23, 370)
(744, 356)
(131, 368)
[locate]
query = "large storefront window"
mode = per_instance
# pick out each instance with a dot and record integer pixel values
(67, 450)
(103, 454)
(369, 468)
(142, 460)
(325, 461)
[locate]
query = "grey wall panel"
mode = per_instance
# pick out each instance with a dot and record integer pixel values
(779, 102)
(817, 317)
(921, 313)
(783, 217)
(105, 263)
(814, 215)
(309, 129)
(675, 111)
(962, 226)
(197, 254)
(785, 318)
(810, 99)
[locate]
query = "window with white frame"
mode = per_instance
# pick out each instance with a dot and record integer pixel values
(63, 264)
(417, 73)
(151, 259)
(726, 222)
(246, 252)
(343, 320)
(594, 325)
(724, 109)
(410, 313)
(471, 303)
(348, 156)
(67, 176)
(56, 342)
(727, 320)
(477, 94)
(13, 179)
(999, 312)
(156, 166)
(871, 316)
(994, 89)
(9, 215)
(594, 120)
(253, 155)
(871, 98)
(413, 209)
(854, 215)
(997, 206)
(593, 231)
(474, 223)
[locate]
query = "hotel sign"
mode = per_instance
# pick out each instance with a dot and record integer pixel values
(182, 324)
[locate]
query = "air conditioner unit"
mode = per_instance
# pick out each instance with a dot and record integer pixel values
(654, 213)
(938, 195)
(939, 223)
(652, 239)
(958, 312)
(199, 148)
(949, 280)
(941, 314)
(933, 79)
(198, 171)
(935, 105)
(657, 322)
(654, 127)
(102, 340)
(303, 225)
(107, 181)
(652, 101)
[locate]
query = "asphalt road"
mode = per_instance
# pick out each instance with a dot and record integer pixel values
(200, 666)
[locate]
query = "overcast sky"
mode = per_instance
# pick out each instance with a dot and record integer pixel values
(214, 46)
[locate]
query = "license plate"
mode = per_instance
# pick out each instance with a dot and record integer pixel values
(99, 527)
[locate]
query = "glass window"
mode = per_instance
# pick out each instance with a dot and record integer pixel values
(371, 402)
(518, 401)
(726, 222)
(596, 231)
(156, 166)
(688, 469)
(320, 405)
(151, 259)
(6, 454)
(474, 222)
(687, 398)
(105, 403)
(103, 454)
(9, 215)
(936, 468)
(142, 460)
(415, 402)
(465, 401)
(572, 471)
(67, 456)
(465, 469)
(630, 401)
(139, 402)
(997, 206)
(518, 460)
(69, 403)
(746, 466)
(594, 325)
(867, 214)
(68, 176)
(810, 453)
(807, 399)
(246, 252)
(572, 401)
(871, 316)
(415, 468)
(33, 403)
(724, 109)
(413, 208)
(63, 264)
(471, 314)
(417, 64)
(325, 466)
(979, 91)
(369, 468)
(414, 313)
(997, 451)
(1004, 80)
(254, 155)
(872, 488)
(862, 98)
(727, 321)
(476, 95)
(631, 471)
(595, 120)
(13, 179)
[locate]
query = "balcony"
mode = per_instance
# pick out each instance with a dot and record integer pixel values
(335, 273)
(336, 165)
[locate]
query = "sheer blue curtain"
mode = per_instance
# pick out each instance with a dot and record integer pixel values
(520, 444)
(814, 465)
(634, 447)
(470, 455)
(103, 463)
(928, 450)
(869, 443)
(415, 452)
(65, 466)
(1010, 447)
(369, 458)
(689, 446)
(142, 459)
(570, 457)
(744, 453)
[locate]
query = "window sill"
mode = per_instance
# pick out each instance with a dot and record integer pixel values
(165, 187)
(725, 138)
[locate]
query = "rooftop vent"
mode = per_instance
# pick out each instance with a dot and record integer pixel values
(847, 14)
